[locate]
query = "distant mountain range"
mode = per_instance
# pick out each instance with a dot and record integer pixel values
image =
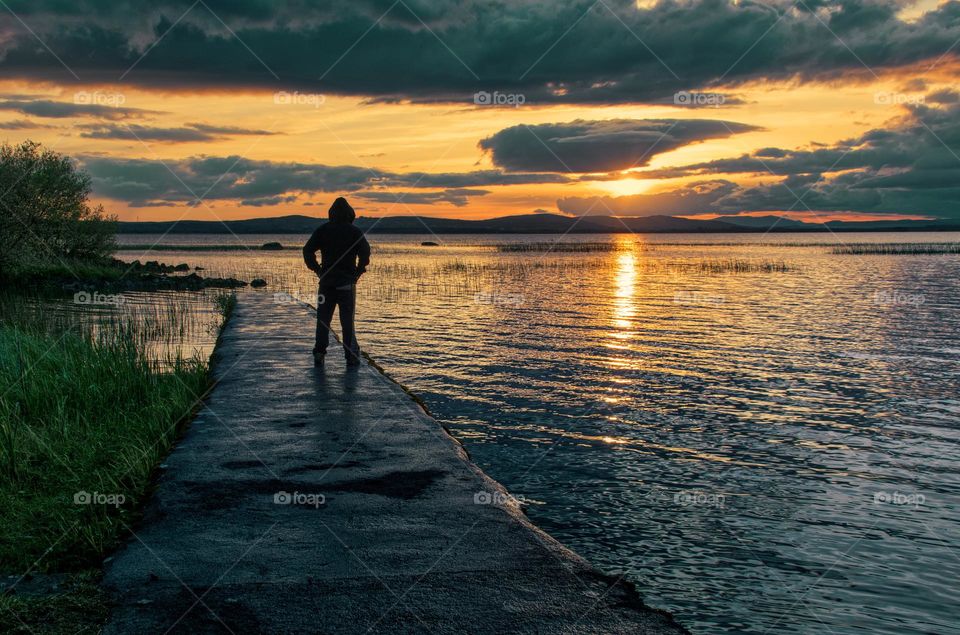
(525, 224)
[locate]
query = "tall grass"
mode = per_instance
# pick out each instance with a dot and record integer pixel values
(736, 265)
(225, 303)
(201, 247)
(557, 247)
(81, 419)
(897, 249)
(90, 401)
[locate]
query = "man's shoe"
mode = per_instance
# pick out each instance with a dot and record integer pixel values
(318, 360)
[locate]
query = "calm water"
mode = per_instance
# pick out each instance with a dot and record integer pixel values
(760, 452)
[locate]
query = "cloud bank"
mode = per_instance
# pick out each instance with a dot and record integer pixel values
(578, 51)
(599, 146)
(913, 167)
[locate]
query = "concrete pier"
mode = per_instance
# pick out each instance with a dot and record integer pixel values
(328, 501)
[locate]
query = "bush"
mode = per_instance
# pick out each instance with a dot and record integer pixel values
(45, 214)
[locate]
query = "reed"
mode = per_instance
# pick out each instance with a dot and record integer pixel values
(557, 247)
(172, 247)
(897, 249)
(89, 405)
(735, 265)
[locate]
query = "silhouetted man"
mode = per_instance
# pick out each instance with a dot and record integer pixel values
(345, 254)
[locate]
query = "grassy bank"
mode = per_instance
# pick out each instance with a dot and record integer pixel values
(85, 418)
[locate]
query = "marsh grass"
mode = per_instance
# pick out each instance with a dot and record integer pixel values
(90, 402)
(558, 247)
(67, 269)
(171, 247)
(78, 608)
(736, 265)
(444, 271)
(225, 303)
(81, 414)
(897, 249)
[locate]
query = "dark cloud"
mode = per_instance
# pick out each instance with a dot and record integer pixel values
(191, 132)
(944, 96)
(23, 124)
(927, 137)
(599, 146)
(913, 167)
(269, 201)
(479, 178)
(549, 51)
(456, 197)
(696, 198)
(62, 109)
(228, 131)
(147, 182)
(145, 133)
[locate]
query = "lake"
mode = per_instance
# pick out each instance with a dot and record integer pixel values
(758, 432)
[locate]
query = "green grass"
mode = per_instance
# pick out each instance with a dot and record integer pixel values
(81, 269)
(225, 303)
(87, 411)
(79, 608)
(79, 415)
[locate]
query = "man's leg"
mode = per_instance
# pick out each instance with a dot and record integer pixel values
(347, 301)
(326, 302)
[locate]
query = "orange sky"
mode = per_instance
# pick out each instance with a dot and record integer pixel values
(342, 130)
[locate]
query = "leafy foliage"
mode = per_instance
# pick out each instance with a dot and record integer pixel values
(45, 214)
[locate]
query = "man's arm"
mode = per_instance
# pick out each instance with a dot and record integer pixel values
(310, 251)
(363, 255)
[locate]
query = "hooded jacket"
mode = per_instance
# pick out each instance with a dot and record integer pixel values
(344, 250)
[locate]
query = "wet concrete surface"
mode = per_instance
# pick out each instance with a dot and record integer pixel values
(328, 501)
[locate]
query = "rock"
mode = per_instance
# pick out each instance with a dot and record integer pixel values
(429, 243)
(182, 267)
(256, 283)
(272, 246)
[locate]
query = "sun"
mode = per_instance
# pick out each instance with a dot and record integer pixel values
(625, 187)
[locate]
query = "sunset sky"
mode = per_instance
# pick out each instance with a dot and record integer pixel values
(234, 109)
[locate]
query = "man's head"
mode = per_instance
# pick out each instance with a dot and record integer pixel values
(341, 212)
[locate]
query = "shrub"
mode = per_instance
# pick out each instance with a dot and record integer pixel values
(45, 214)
